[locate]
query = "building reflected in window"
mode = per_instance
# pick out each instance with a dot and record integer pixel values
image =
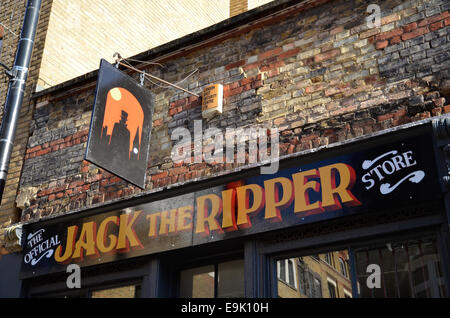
(311, 274)
(407, 269)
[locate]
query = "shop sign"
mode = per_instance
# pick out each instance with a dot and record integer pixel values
(121, 124)
(382, 177)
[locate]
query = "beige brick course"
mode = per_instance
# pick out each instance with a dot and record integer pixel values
(97, 29)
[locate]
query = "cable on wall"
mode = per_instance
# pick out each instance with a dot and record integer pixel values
(152, 78)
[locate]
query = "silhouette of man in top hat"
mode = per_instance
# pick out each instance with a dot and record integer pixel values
(120, 138)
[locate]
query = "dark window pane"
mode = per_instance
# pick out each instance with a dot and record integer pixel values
(342, 267)
(291, 273)
(403, 271)
(389, 275)
(317, 291)
(301, 280)
(197, 282)
(397, 269)
(331, 290)
(409, 269)
(231, 279)
(282, 265)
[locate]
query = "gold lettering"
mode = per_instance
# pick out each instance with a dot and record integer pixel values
(153, 220)
(185, 213)
(101, 235)
(86, 242)
(272, 202)
(127, 236)
(204, 217)
(301, 187)
(168, 219)
(243, 200)
(70, 243)
(331, 193)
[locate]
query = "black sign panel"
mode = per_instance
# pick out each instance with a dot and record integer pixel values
(121, 123)
(375, 178)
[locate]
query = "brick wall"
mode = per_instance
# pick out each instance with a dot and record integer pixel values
(238, 6)
(256, 3)
(320, 75)
(85, 25)
(11, 14)
(83, 31)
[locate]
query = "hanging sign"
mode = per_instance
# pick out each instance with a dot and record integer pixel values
(376, 178)
(121, 124)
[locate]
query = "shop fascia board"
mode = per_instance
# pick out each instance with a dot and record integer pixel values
(192, 185)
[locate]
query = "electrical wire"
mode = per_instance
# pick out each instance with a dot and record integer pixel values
(141, 72)
(8, 29)
(145, 63)
(124, 62)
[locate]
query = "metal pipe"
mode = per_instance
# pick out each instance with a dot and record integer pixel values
(16, 88)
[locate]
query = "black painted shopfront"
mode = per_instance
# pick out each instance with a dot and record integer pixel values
(364, 218)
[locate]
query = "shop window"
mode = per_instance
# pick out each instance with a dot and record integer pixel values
(230, 279)
(403, 269)
(132, 291)
(198, 282)
(408, 269)
(127, 291)
(311, 272)
(217, 280)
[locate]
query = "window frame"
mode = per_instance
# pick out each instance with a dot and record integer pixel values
(287, 277)
(55, 286)
(349, 240)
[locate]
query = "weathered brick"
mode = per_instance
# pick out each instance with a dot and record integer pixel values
(381, 44)
(289, 53)
(410, 27)
(390, 18)
(390, 34)
(326, 56)
(235, 64)
(434, 18)
(270, 53)
(369, 33)
(286, 72)
(415, 33)
(437, 25)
